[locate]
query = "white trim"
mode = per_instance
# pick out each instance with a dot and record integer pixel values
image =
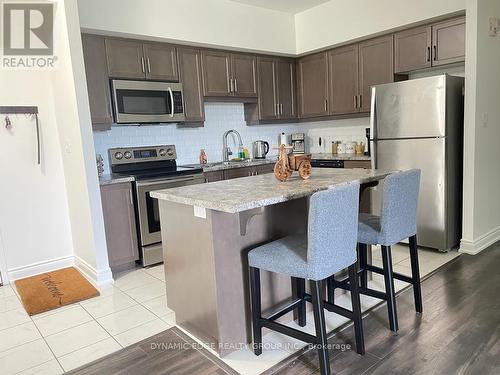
(4, 275)
(98, 278)
(482, 242)
(39, 267)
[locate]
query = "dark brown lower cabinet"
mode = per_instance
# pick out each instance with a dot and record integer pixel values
(192, 83)
(120, 225)
(229, 174)
(265, 168)
(238, 172)
(213, 176)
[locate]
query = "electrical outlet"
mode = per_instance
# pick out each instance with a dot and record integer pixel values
(494, 26)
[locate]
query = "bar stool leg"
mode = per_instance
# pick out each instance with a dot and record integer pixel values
(300, 288)
(356, 310)
(415, 273)
(330, 289)
(320, 325)
(362, 254)
(256, 309)
(389, 288)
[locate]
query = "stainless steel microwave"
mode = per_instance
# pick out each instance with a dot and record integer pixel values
(138, 102)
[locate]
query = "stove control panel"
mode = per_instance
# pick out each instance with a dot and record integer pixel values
(128, 155)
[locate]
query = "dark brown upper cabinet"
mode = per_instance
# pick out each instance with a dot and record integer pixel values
(216, 73)
(268, 96)
(285, 73)
(312, 84)
(448, 40)
(96, 70)
(191, 77)
(344, 80)
(125, 59)
(244, 74)
(376, 66)
(161, 62)
(229, 74)
(136, 60)
(427, 46)
(413, 49)
(276, 89)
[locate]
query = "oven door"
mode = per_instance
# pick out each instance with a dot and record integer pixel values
(147, 102)
(147, 207)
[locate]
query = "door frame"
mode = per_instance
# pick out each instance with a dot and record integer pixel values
(4, 279)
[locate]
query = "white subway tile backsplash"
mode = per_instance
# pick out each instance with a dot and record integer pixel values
(220, 117)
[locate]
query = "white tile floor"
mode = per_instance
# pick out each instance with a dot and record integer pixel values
(133, 309)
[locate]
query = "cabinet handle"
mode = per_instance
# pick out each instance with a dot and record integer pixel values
(276, 110)
(428, 54)
(281, 109)
(326, 105)
(231, 85)
(142, 64)
(355, 101)
(360, 101)
(149, 65)
(131, 197)
(235, 85)
(435, 53)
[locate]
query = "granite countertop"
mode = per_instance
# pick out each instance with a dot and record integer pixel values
(245, 193)
(109, 179)
(220, 166)
(341, 157)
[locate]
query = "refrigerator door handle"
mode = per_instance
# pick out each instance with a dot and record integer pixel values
(373, 133)
(373, 156)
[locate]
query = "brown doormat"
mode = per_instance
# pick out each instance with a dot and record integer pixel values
(51, 290)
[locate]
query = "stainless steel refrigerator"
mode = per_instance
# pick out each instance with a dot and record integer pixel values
(419, 124)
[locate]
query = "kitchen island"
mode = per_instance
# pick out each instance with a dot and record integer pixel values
(207, 231)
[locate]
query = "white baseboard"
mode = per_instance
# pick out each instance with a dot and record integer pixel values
(98, 278)
(479, 244)
(39, 267)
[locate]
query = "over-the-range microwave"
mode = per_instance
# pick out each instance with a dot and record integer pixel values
(138, 102)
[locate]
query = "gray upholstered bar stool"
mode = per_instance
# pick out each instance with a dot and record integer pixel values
(397, 222)
(328, 247)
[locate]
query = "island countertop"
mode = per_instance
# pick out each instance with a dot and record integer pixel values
(246, 193)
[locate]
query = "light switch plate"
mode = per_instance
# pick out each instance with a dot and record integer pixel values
(200, 212)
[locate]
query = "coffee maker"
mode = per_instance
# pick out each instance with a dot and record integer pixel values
(298, 143)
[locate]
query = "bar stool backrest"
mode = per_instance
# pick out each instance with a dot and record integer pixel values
(398, 216)
(332, 230)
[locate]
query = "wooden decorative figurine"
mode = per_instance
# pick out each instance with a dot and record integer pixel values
(286, 164)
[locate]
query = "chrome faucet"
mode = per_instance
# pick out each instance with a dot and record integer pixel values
(226, 151)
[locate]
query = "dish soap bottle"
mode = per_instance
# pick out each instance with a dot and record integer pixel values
(203, 156)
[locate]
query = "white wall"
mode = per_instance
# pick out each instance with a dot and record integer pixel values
(51, 214)
(219, 118)
(207, 22)
(482, 123)
(338, 21)
(75, 131)
(34, 215)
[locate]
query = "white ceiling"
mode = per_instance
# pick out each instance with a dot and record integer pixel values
(288, 6)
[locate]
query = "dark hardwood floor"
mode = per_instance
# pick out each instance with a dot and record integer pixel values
(458, 333)
(170, 352)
